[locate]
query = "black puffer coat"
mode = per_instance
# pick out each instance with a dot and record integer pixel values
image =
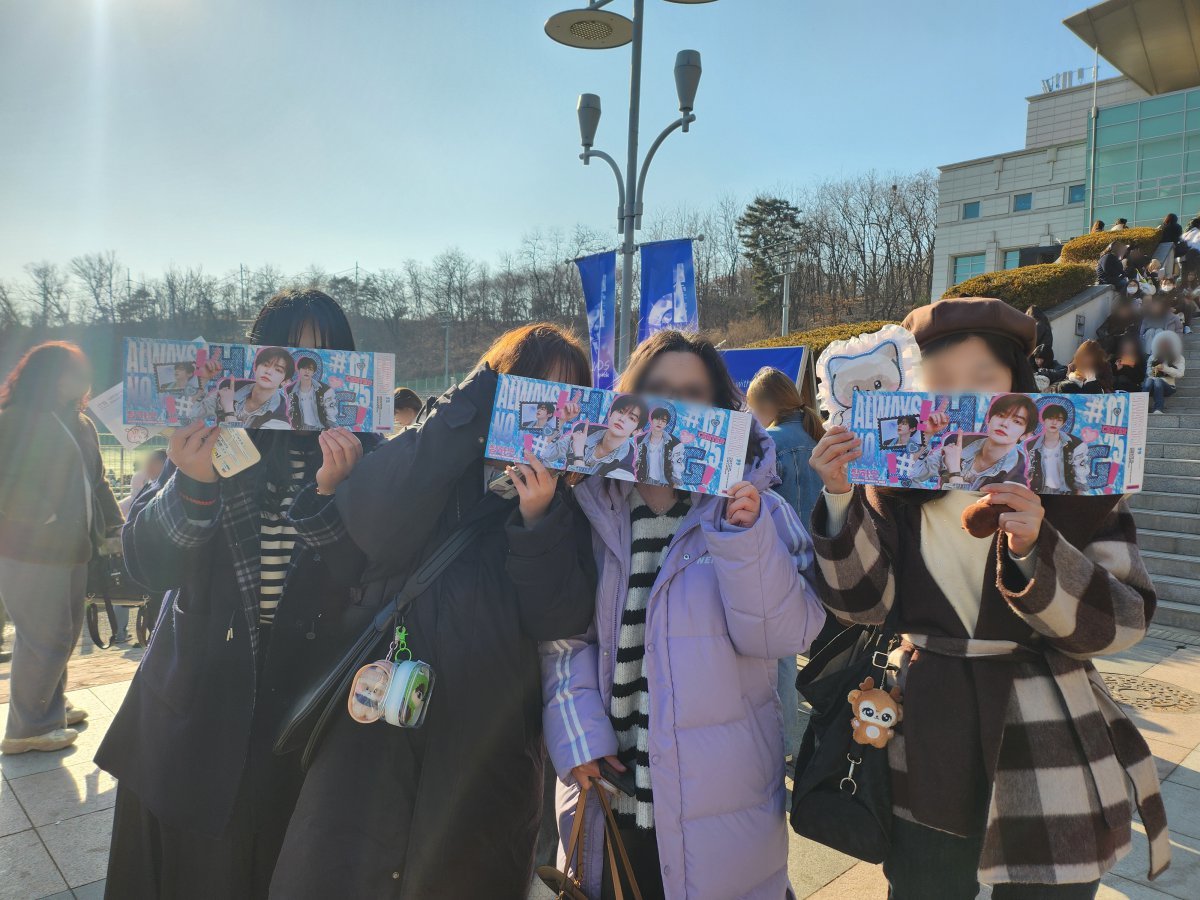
(450, 810)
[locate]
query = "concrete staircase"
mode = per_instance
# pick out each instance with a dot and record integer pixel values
(1168, 509)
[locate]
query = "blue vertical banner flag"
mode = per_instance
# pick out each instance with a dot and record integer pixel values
(668, 298)
(743, 365)
(599, 275)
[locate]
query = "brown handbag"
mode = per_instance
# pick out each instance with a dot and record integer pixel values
(570, 886)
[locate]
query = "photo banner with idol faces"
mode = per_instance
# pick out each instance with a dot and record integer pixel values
(668, 297)
(743, 365)
(1079, 444)
(172, 383)
(630, 437)
(599, 276)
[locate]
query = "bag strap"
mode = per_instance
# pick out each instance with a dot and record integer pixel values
(614, 840)
(574, 857)
(419, 582)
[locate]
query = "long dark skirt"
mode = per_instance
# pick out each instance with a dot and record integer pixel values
(151, 859)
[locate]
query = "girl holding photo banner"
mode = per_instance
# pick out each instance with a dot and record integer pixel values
(251, 580)
(1010, 763)
(674, 682)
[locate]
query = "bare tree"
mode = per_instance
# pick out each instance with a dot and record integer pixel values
(96, 271)
(47, 294)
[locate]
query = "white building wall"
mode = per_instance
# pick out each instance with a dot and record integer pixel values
(1062, 117)
(1046, 173)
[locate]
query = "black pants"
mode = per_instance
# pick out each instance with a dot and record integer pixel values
(642, 847)
(926, 864)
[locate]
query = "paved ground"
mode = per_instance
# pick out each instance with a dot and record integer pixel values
(56, 808)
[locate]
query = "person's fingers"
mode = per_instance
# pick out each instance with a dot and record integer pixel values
(615, 763)
(208, 438)
(527, 475)
(737, 506)
(536, 465)
(739, 488)
(835, 430)
(519, 483)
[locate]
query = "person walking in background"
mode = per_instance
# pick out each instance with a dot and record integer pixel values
(698, 598)
(450, 809)
(406, 406)
(1163, 368)
(794, 424)
(1012, 763)
(56, 508)
(251, 598)
(1088, 373)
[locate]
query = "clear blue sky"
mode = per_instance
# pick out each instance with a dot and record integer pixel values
(215, 132)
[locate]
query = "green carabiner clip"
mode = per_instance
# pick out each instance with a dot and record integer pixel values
(401, 644)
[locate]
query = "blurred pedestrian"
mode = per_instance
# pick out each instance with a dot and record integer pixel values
(406, 406)
(56, 508)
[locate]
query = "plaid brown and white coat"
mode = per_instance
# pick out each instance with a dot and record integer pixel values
(1009, 731)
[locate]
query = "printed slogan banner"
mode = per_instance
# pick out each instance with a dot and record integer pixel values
(626, 436)
(1051, 443)
(599, 276)
(743, 365)
(668, 298)
(169, 383)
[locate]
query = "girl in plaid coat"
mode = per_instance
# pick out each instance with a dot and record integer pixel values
(1012, 764)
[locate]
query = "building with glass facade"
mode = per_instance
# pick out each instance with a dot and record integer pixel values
(1146, 159)
(1015, 209)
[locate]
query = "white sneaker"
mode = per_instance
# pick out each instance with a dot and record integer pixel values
(1157, 412)
(51, 740)
(75, 715)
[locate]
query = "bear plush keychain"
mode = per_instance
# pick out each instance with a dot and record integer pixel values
(876, 713)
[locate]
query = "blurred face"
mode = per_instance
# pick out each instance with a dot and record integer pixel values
(678, 376)
(1009, 427)
(75, 382)
(966, 366)
(154, 468)
(765, 411)
(404, 417)
(309, 337)
(182, 376)
(623, 423)
(270, 374)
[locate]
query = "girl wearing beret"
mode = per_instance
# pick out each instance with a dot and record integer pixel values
(1012, 763)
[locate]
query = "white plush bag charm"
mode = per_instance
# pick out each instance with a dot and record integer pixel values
(884, 360)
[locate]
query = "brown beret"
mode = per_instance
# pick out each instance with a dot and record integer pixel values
(976, 314)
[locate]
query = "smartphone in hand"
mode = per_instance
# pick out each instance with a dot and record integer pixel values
(616, 781)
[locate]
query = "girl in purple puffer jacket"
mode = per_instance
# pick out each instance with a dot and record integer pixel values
(698, 597)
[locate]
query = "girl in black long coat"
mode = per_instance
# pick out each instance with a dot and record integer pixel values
(202, 804)
(451, 810)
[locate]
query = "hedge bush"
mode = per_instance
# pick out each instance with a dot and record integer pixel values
(817, 339)
(1043, 286)
(1088, 247)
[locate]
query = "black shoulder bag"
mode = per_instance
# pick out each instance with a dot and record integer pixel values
(314, 706)
(842, 792)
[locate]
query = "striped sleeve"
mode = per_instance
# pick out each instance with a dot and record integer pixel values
(576, 723)
(854, 568)
(1087, 602)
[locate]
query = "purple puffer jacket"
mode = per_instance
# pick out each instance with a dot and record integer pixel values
(727, 604)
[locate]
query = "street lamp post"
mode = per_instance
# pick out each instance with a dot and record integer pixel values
(596, 28)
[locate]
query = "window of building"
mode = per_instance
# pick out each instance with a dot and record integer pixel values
(969, 266)
(1076, 193)
(1012, 259)
(971, 210)
(1022, 202)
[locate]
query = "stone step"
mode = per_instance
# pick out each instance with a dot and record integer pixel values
(1166, 521)
(1185, 591)
(1155, 434)
(1177, 613)
(1172, 419)
(1165, 501)
(1170, 450)
(1170, 542)
(1173, 564)
(1187, 467)
(1188, 388)
(1177, 484)
(1187, 405)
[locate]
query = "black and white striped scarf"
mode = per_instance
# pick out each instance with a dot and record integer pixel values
(630, 709)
